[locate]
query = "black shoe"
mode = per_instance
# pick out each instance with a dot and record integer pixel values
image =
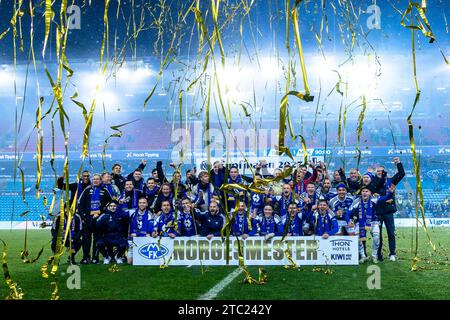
(84, 261)
(380, 258)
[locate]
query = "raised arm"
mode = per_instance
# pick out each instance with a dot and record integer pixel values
(61, 184)
(400, 172)
(142, 165)
(159, 169)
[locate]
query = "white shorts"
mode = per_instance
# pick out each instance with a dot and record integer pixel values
(343, 224)
(375, 227)
(354, 229)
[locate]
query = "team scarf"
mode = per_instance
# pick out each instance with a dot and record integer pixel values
(366, 216)
(72, 227)
(80, 188)
(112, 192)
(165, 219)
(299, 187)
(294, 225)
(285, 203)
(140, 223)
(200, 186)
(268, 225)
(242, 221)
(190, 226)
(323, 223)
(95, 200)
(134, 198)
(218, 179)
(313, 200)
(151, 193)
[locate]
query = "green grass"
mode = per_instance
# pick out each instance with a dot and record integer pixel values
(346, 282)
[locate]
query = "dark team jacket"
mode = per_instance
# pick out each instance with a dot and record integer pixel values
(212, 224)
(181, 190)
(151, 194)
(73, 187)
(191, 182)
(321, 224)
(159, 200)
(84, 203)
(353, 186)
(119, 180)
(110, 225)
(217, 179)
(75, 227)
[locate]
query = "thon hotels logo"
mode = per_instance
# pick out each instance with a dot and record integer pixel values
(152, 251)
(343, 247)
(341, 244)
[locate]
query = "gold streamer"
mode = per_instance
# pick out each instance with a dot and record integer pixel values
(359, 129)
(248, 279)
(427, 33)
(55, 291)
(39, 147)
(286, 251)
(327, 271)
(284, 117)
(114, 268)
(117, 134)
(48, 17)
(44, 268)
(289, 257)
(161, 69)
(17, 13)
(24, 256)
(419, 192)
(294, 13)
(215, 14)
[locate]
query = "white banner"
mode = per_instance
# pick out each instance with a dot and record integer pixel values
(20, 225)
(312, 250)
(272, 162)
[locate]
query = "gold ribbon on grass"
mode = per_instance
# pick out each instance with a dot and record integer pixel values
(15, 293)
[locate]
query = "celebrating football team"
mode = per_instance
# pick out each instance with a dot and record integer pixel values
(112, 209)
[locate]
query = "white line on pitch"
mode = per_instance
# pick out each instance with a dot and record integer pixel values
(214, 291)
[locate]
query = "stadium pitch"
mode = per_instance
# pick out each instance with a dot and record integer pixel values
(193, 282)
